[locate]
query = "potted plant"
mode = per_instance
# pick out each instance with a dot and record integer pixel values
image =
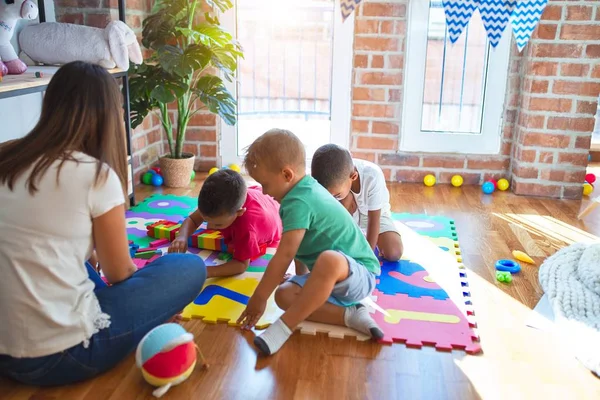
(190, 51)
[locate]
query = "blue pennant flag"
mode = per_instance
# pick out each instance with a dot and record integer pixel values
(348, 7)
(458, 13)
(495, 15)
(525, 18)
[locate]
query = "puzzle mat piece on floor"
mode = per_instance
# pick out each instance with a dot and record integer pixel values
(428, 225)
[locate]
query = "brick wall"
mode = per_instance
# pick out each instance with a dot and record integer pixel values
(558, 101)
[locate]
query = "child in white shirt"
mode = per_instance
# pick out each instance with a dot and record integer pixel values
(360, 186)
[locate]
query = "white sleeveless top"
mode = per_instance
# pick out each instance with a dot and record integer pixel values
(47, 301)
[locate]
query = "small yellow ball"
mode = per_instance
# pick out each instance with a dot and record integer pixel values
(457, 181)
(503, 184)
(429, 180)
(587, 189)
(235, 168)
(213, 170)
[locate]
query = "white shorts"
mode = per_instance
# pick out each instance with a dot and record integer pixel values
(386, 223)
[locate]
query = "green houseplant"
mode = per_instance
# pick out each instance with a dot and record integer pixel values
(190, 51)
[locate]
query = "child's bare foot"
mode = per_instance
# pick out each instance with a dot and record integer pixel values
(285, 278)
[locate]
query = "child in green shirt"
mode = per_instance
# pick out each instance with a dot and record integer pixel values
(335, 265)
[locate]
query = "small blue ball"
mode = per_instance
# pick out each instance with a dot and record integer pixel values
(153, 172)
(488, 188)
(157, 180)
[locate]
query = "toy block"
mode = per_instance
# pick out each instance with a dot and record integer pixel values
(207, 240)
(163, 230)
(145, 250)
(158, 243)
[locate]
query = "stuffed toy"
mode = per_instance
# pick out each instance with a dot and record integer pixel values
(54, 43)
(10, 13)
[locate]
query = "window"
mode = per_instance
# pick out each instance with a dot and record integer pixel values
(454, 93)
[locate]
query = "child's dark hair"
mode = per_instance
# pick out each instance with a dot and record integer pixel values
(331, 165)
(223, 192)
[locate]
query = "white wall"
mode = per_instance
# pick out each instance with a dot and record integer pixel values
(20, 114)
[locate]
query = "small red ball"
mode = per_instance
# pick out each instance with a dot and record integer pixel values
(156, 169)
(590, 178)
(495, 182)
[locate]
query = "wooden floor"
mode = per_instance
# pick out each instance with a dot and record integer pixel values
(517, 362)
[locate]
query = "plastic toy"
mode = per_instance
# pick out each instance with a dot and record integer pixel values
(488, 188)
(208, 240)
(508, 266)
(213, 170)
(235, 167)
(503, 184)
(457, 181)
(587, 189)
(590, 178)
(167, 357)
(155, 169)
(519, 255)
(157, 180)
(147, 178)
(39, 74)
(503, 276)
(193, 175)
(163, 230)
(429, 180)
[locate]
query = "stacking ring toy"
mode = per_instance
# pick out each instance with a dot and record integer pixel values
(508, 266)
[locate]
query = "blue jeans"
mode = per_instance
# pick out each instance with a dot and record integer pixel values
(147, 299)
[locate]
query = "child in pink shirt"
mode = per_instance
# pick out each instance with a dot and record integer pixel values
(247, 218)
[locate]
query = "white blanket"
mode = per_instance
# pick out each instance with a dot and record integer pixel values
(571, 279)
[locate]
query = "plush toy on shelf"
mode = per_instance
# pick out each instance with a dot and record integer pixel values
(54, 43)
(9, 15)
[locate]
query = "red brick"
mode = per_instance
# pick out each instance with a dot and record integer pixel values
(364, 156)
(539, 86)
(545, 104)
(536, 189)
(596, 70)
(373, 110)
(559, 175)
(583, 142)
(546, 157)
(587, 107)
(579, 13)
(201, 135)
(361, 61)
(469, 178)
(208, 150)
(375, 43)
(552, 13)
(395, 95)
(154, 136)
(411, 175)
(131, 4)
(547, 31)
(579, 88)
(572, 192)
(204, 164)
(362, 93)
(381, 78)
(510, 116)
(580, 159)
(76, 18)
(395, 61)
(527, 156)
(387, 27)
(377, 61)
(360, 126)
(544, 68)
(580, 32)
(506, 148)
(387, 174)
(443, 162)
(488, 164)
(99, 20)
(399, 160)
(78, 3)
(203, 119)
(525, 172)
(546, 140)
(574, 70)
(366, 26)
(385, 127)
(191, 148)
(383, 10)
(552, 50)
(592, 51)
(532, 121)
(134, 21)
(376, 143)
(573, 124)
(139, 143)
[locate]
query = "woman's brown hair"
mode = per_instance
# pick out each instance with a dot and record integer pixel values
(81, 111)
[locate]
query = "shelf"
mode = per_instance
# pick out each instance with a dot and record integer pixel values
(17, 85)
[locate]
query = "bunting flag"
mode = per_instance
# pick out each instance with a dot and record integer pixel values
(525, 18)
(348, 7)
(458, 14)
(495, 15)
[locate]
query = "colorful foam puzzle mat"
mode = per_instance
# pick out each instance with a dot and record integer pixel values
(421, 300)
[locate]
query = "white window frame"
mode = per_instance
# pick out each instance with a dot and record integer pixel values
(341, 87)
(413, 139)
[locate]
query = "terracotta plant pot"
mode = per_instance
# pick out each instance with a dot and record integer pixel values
(177, 172)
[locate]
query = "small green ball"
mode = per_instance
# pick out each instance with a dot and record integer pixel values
(193, 175)
(508, 278)
(147, 178)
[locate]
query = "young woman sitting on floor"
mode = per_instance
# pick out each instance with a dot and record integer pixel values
(62, 194)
